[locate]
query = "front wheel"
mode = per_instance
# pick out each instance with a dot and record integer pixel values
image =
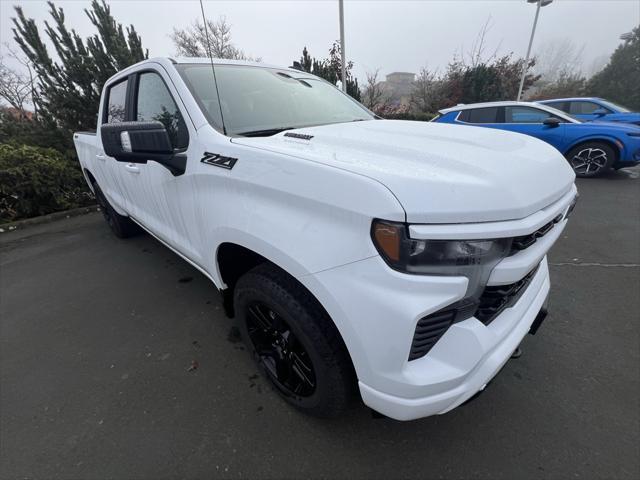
(591, 159)
(294, 342)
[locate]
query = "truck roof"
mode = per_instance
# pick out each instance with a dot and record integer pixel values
(206, 60)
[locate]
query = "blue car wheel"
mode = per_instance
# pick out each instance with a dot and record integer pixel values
(591, 159)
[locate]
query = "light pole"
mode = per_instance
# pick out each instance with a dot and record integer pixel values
(342, 53)
(540, 3)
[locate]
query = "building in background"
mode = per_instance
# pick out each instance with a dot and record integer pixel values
(397, 88)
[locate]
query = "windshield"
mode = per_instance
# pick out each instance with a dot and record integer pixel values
(614, 106)
(264, 101)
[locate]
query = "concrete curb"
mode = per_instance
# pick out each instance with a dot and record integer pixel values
(52, 217)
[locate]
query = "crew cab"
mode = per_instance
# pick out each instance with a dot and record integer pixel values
(402, 260)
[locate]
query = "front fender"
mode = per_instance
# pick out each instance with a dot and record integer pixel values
(258, 245)
(613, 140)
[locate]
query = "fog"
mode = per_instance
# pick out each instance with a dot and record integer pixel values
(389, 35)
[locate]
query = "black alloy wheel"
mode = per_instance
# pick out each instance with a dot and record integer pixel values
(294, 342)
(281, 354)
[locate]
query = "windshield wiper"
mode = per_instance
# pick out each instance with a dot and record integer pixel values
(264, 133)
(273, 131)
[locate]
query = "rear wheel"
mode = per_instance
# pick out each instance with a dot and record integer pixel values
(294, 342)
(591, 159)
(122, 226)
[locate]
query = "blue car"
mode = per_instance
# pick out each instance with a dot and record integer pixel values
(591, 109)
(591, 148)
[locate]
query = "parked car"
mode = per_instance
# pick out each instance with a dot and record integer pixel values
(405, 259)
(591, 148)
(593, 108)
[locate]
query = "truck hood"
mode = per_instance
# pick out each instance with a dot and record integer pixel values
(439, 173)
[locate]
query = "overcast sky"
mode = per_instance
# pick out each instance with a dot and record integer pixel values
(390, 35)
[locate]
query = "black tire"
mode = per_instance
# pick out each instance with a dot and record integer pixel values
(122, 226)
(591, 159)
(306, 361)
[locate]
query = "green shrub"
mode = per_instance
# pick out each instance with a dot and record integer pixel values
(35, 133)
(419, 116)
(36, 181)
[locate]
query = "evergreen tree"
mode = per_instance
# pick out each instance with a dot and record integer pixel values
(331, 69)
(68, 89)
(619, 80)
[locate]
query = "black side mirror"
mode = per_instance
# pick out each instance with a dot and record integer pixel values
(551, 122)
(139, 142)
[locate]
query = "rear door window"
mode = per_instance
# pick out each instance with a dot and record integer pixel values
(480, 115)
(585, 108)
(564, 106)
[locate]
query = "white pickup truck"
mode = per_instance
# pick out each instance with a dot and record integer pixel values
(406, 260)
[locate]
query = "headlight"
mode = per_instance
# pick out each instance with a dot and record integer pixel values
(473, 259)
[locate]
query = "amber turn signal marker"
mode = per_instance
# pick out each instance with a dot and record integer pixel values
(387, 239)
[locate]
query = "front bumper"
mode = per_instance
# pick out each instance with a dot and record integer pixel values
(515, 324)
(376, 311)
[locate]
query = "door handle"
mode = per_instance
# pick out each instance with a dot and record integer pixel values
(99, 156)
(130, 167)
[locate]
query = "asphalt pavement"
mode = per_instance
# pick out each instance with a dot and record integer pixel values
(116, 361)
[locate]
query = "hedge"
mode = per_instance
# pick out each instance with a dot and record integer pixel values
(37, 181)
(422, 117)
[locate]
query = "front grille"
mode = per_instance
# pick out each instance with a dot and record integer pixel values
(496, 298)
(525, 241)
(493, 301)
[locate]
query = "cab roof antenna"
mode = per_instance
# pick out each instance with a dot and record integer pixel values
(213, 70)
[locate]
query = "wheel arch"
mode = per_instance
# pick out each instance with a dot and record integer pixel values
(89, 178)
(610, 141)
(249, 249)
(235, 259)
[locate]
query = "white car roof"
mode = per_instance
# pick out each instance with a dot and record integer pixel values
(539, 106)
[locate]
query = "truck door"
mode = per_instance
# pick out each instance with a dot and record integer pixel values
(105, 168)
(162, 202)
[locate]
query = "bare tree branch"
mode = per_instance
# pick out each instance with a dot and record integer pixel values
(559, 58)
(427, 93)
(476, 54)
(374, 94)
(192, 41)
(15, 88)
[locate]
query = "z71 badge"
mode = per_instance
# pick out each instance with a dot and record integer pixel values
(218, 160)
